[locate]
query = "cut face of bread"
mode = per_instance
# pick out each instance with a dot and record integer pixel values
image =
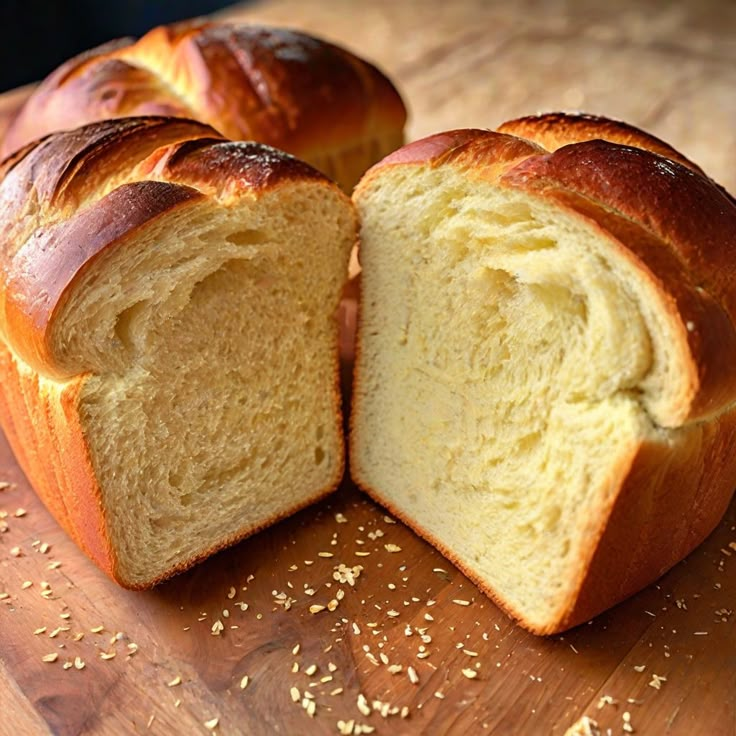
(515, 365)
(197, 355)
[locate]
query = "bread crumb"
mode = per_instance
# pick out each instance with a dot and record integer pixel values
(584, 726)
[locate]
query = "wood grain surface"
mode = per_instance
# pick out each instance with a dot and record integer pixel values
(158, 663)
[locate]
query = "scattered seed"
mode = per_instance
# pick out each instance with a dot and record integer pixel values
(176, 681)
(295, 694)
(363, 706)
(79, 663)
(657, 681)
(316, 608)
(211, 725)
(471, 674)
(413, 677)
(392, 547)
(461, 602)
(50, 657)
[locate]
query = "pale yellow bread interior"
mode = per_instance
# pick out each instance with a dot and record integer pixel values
(209, 347)
(507, 374)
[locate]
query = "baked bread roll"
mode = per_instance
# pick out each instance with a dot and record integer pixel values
(544, 381)
(280, 87)
(169, 352)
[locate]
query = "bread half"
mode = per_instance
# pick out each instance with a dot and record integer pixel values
(544, 378)
(169, 352)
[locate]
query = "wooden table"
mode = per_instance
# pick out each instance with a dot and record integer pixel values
(149, 663)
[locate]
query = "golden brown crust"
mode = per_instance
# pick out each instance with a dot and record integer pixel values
(279, 87)
(56, 224)
(679, 228)
(553, 130)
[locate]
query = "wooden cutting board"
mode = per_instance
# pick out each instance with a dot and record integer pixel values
(172, 660)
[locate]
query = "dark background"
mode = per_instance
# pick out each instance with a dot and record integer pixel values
(38, 35)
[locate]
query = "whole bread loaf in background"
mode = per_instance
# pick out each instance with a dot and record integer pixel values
(544, 381)
(168, 342)
(280, 87)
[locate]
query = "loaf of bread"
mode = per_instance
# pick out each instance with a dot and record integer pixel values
(544, 381)
(168, 351)
(280, 87)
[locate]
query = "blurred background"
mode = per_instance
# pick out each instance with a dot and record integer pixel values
(44, 33)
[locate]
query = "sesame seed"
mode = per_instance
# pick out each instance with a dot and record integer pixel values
(470, 673)
(392, 548)
(316, 608)
(211, 725)
(363, 706)
(244, 682)
(50, 657)
(461, 602)
(295, 694)
(413, 677)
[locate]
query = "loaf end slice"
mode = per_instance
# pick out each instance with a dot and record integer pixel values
(543, 384)
(170, 346)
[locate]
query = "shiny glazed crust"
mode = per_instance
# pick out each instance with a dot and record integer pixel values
(66, 200)
(679, 227)
(284, 88)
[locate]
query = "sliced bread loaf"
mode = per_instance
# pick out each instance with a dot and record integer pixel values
(544, 378)
(168, 348)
